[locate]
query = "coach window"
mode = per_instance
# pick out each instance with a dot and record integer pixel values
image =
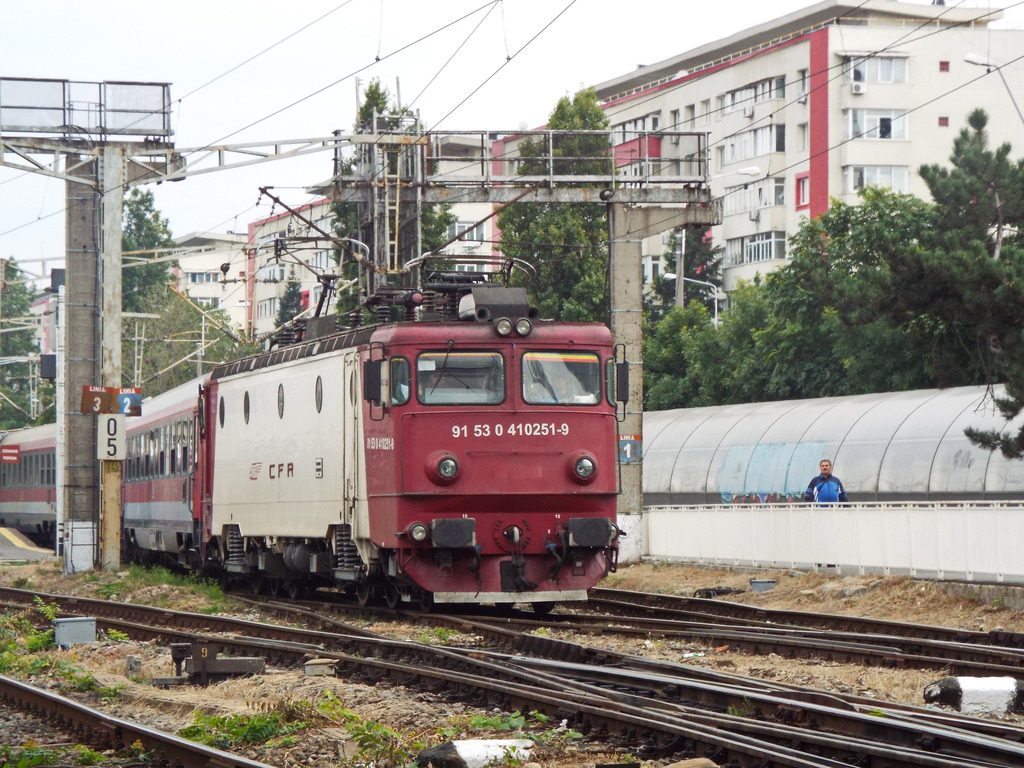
(280, 401)
(460, 378)
(399, 380)
(565, 378)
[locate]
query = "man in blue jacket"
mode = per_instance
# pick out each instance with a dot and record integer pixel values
(826, 487)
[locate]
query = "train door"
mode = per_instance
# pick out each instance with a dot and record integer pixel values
(351, 418)
(202, 472)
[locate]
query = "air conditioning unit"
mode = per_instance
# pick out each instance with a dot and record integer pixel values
(858, 88)
(801, 99)
(748, 111)
(755, 215)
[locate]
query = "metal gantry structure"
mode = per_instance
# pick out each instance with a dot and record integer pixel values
(652, 183)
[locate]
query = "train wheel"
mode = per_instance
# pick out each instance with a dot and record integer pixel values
(425, 601)
(365, 593)
(542, 607)
(257, 584)
(296, 589)
(274, 587)
(391, 596)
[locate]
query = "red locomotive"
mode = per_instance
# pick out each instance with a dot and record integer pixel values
(441, 460)
(418, 461)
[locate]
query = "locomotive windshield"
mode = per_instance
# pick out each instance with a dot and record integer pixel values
(567, 378)
(460, 378)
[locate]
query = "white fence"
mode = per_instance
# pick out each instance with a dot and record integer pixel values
(972, 541)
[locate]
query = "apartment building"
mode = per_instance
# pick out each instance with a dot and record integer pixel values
(819, 103)
(270, 269)
(211, 271)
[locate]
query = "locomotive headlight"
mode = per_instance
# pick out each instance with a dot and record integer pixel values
(503, 326)
(418, 532)
(442, 468)
(448, 468)
(523, 326)
(582, 467)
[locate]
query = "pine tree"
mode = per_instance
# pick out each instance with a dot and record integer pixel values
(291, 302)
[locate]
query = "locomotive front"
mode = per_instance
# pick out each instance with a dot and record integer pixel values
(490, 458)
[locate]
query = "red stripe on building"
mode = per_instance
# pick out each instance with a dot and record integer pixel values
(819, 122)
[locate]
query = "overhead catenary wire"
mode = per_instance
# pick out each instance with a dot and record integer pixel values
(273, 113)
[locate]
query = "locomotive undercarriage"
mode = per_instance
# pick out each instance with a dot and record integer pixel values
(295, 567)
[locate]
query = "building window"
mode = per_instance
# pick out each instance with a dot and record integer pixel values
(894, 177)
(943, 122)
(877, 69)
(750, 197)
(270, 273)
(876, 124)
(804, 136)
(651, 267)
(763, 246)
(690, 115)
(207, 301)
(771, 192)
(749, 144)
(943, 66)
(754, 93)
(464, 230)
(321, 261)
(267, 308)
(803, 190)
(705, 111)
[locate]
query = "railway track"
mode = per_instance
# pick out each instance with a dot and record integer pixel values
(653, 708)
(99, 730)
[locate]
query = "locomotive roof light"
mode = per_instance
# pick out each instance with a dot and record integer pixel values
(418, 532)
(582, 467)
(503, 326)
(523, 326)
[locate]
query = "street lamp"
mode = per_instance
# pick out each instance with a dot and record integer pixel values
(981, 61)
(712, 286)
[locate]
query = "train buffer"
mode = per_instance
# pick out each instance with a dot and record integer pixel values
(199, 663)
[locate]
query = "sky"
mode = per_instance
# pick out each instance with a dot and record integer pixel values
(265, 72)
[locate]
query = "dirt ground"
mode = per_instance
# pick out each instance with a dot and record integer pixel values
(171, 709)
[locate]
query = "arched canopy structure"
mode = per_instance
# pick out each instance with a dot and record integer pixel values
(893, 446)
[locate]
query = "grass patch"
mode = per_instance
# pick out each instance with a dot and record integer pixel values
(153, 581)
(27, 650)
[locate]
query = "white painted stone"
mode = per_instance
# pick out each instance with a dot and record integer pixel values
(987, 695)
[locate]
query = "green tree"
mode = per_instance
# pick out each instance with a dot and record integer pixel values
(822, 325)
(977, 277)
(143, 228)
(567, 243)
(291, 301)
(17, 339)
(702, 269)
(181, 343)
